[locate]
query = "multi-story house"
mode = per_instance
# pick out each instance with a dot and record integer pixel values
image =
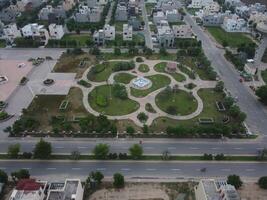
(109, 32)
(165, 34)
(106, 34)
(257, 17)
(158, 16)
(211, 8)
(86, 14)
(234, 24)
(121, 13)
(35, 31)
(199, 3)
(56, 31)
(127, 32)
(173, 15)
(69, 4)
(215, 19)
(49, 13)
(10, 32)
(182, 31)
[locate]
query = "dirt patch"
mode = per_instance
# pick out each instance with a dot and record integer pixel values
(251, 191)
(147, 191)
(70, 63)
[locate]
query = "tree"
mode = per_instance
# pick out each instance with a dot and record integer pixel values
(136, 151)
(118, 180)
(228, 102)
(117, 51)
(95, 51)
(262, 182)
(166, 155)
(13, 150)
(75, 155)
(3, 177)
(21, 174)
(130, 130)
(261, 92)
(207, 156)
(234, 180)
(219, 157)
(219, 87)
(262, 154)
(142, 117)
(42, 150)
(101, 151)
(225, 43)
(145, 129)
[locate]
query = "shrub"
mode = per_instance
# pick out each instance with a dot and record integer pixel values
(136, 151)
(101, 100)
(118, 180)
(261, 92)
(121, 66)
(142, 117)
(3, 115)
(263, 182)
(235, 181)
(130, 130)
(139, 59)
(119, 91)
(207, 156)
(220, 157)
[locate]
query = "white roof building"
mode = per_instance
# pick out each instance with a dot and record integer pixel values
(68, 4)
(234, 24)
(36, 32)
(56, 31)
(182, 31)
(71, 189)
(158, 16)
(109, 32)
(10, 32)
(165, 34)
(211, 8)
(199, 3)
(257, 17)
(127, 32)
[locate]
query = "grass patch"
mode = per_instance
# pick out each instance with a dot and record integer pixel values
(2, 43)
(81, 39)
(124, 78)
(264, 75)
(115, 106)
(160, 67)
(70, 63)
(119, 25)
(233, 39)
(158, 81)
(176, 103)
(143, 68)
(138, 40)
(192, 11)
(178, 77)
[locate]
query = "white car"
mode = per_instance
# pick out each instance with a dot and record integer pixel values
(21, 65)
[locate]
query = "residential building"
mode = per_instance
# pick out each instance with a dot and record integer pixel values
(121, 13)
(165, 34)
(86, 14)
(211, 8)
(56, 31)
(233, 2)
(257, 17)
(158, 16)
(51, 14)
(99, 37)
(69, 4)
(71, 189)
(10, 32)
(35, 31)
(95, 14)
(173, 15)
(135, 23)
(167, 5)
(127, 32)
(8, 16)
(182, 31)
(29, 189)
(109, 32)
(210, 189)
(234, 24)
(213, 19)
(200, 3)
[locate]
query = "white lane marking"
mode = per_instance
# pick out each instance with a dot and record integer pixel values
(101, 169)
(214, 148)
(259, 148)
(175, 169)
(76, 168)
(238, 148)
(226, 170)
(82, 147)
(148, 147)
(125, 169)
(170, 148)
(194, 148)
(2, 168)
(51, 168)
(27, 168)
(151, 169)
(250, 170)
(125, 147)
(59, 147)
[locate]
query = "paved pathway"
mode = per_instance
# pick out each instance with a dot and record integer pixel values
(150, 98)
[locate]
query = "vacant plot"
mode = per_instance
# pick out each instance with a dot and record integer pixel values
(232, 39)
(124, 78)
(81, 39)
(114, 105)
(44, 107)
(176, 103)
(158, 81)
(74, 63)
(251, 191)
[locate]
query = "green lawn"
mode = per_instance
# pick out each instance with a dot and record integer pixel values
(138, 40)
(119, 26)
(233, 39)
(143, 68)
(104, 70)
(115, 106)
(149, 7)
(160, 67)
(192, 11)
(264, 75)
(158, 81)
(124, 78)
(80, 38)
(181, 102)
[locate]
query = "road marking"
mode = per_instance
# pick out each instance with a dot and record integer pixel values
(101, 169)
(76, 168)
(27, 168)
(175, 169)
(151, 169)
(238, 148)
(250, 170)
(170, 148)
(214, 148)
(148, 147)
(195, 148)
(125, 169)
(82, 147)
(260, 148)
(226, 170)
(50, 168)
(2, 168)
(59, 147)
(125, 147)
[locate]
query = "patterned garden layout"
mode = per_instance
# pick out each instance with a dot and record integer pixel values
(122, 89)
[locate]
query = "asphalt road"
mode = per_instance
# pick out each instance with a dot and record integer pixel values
(150, 146)
(147, 32)
(163, 169)
(256, 111)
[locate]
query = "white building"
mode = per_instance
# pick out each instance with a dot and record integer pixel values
(173, 15)
(35, 31)
(257, 17)
(211, 8)
(109, 32)
(10, 32)
(165, 34)
(210, 189)
(182, 31)
(29, 189)
(158, 16)
(200, 3)
(56, 31)
(127, 32)
(70, 189)
(68, 4)
(234, 24)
